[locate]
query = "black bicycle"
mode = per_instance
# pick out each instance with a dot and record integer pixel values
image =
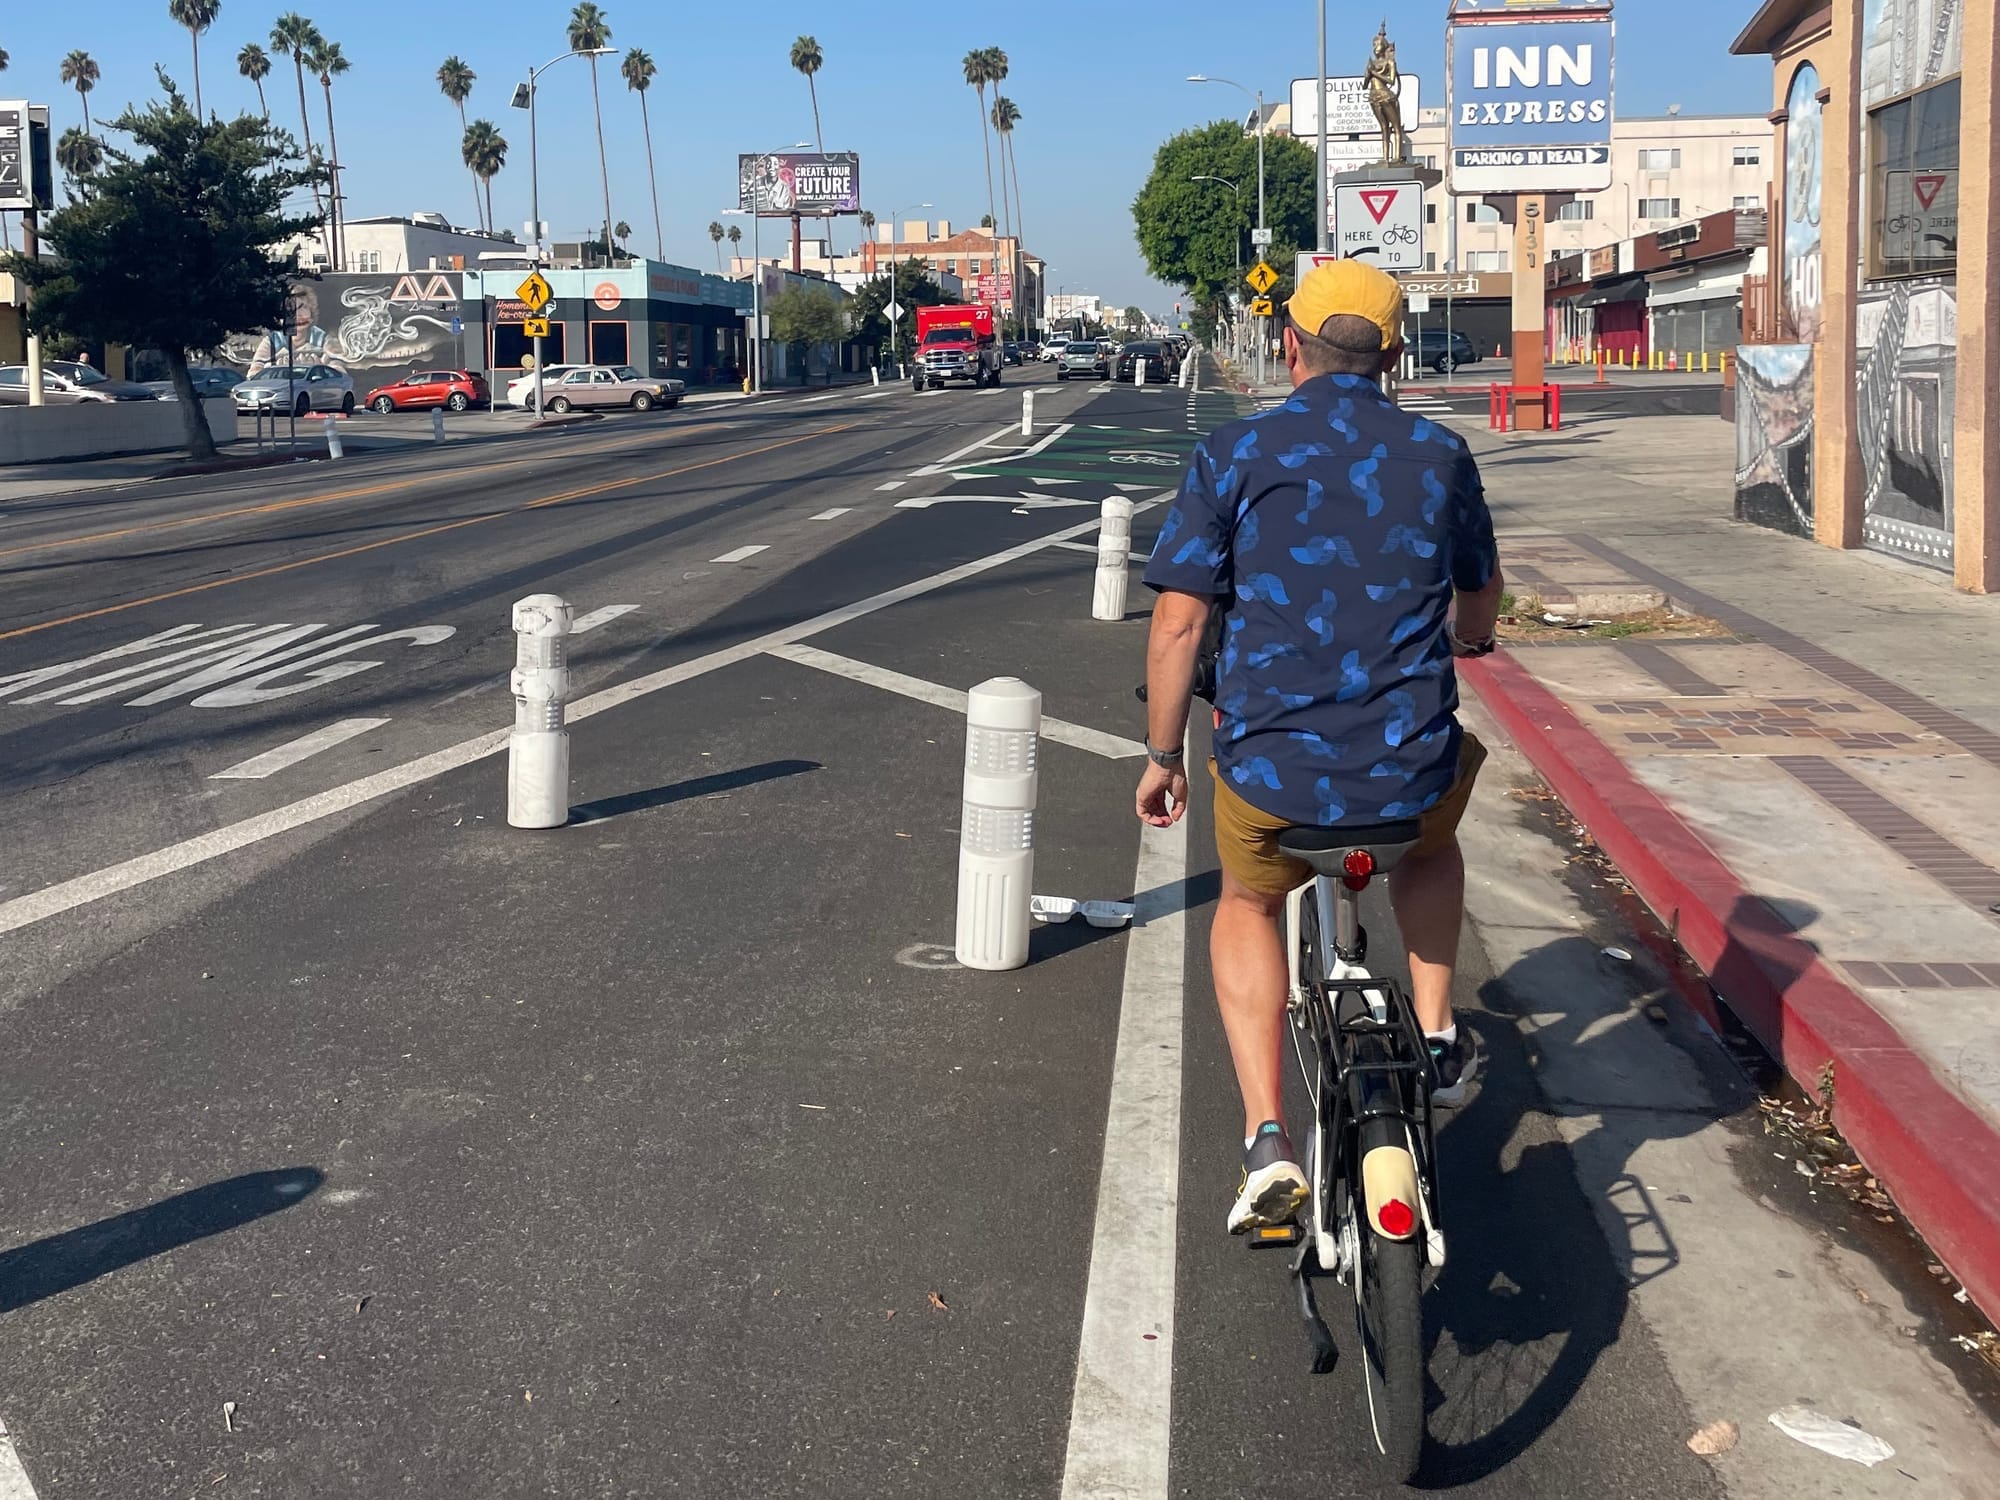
(1372, 1220)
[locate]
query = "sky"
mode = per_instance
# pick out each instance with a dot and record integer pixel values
(1099, 84)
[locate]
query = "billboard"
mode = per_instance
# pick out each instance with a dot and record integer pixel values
(26, 181)
(1529, 104)
(814, 183)
(1348, 111)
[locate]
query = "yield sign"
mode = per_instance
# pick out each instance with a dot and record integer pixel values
(1378, 201)
(1926, 184)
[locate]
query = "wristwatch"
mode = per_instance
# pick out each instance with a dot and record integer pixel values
(1166, 760)
(1460, 647)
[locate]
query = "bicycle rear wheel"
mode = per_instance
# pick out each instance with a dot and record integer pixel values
(1388, 1309)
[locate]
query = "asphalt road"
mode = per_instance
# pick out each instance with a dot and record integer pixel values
(352, 1143)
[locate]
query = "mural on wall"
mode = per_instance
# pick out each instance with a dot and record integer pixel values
(1906, 44)
(1774, 430)
(1803, 270)
(373, 327)
(1907, 336)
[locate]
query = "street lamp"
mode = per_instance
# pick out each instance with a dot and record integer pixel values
(895, 264)
(524, 98)
(755, 216)
(1264, 344)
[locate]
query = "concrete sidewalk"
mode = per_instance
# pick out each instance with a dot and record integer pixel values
(1808, 793)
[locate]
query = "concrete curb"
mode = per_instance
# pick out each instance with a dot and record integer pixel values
(1937, 1156)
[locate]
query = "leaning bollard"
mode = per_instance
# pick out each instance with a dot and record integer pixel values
(538, 749)
(1027, 414)
(437, 424)
(1114, 550)
(333, 449)
(996, 844)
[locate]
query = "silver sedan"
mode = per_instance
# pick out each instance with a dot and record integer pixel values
(589, 387)
(297, 389)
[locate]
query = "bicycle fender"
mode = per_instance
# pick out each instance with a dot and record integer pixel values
(1389, 1176)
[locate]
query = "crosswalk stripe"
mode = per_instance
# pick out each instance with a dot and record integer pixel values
(276, 759)
(740, 554)
(599, 617)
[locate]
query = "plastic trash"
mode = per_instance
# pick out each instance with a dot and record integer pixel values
(1052, 908)
(1716, 1437)
(1107, 913)
(1618, 953)
(1817, 1430)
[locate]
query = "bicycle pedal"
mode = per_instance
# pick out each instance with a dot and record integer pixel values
(1276, 1236)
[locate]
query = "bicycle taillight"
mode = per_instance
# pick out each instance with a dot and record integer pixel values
(1356, 869)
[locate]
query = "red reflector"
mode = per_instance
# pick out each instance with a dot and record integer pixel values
(1396, 1218)
(1359, 863)
(1355, 882)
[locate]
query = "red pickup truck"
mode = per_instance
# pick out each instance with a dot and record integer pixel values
(956, 344)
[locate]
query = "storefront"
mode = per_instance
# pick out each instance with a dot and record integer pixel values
(1869, 404)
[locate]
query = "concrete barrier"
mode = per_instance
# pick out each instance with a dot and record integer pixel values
(103, 429)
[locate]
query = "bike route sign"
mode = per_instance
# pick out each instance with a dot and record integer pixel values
(1381, 223)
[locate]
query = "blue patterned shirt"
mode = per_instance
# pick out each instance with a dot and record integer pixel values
(1335, 527)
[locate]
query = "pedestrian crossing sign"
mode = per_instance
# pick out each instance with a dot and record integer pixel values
(1262, 278)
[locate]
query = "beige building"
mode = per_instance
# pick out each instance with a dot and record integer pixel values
(1665, 170)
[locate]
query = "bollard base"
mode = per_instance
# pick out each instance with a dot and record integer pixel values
(993, 896)
(538, 778)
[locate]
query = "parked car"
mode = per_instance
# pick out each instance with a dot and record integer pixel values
(1084, 360)
(1442, 355)
(209, 380)
(1160, 364)
(595, 386)
(453, 389)
(521, 390)
(1014, 354)
(307, 388)
(1052, 349)
(67, 384)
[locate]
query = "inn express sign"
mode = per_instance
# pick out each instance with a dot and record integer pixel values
(1529, 98)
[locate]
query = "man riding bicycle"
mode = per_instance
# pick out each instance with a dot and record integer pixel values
(1335, 533)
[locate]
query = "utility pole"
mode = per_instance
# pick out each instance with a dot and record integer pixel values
(31, 248)
(1319, 187)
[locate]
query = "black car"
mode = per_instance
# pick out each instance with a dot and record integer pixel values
(1437, 352)
(1012, 353)
(1161, 363)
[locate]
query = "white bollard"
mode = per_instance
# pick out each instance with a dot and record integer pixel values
(1027, 414)
(1114, 550)
(538, 749)
(875, 374)
(437, 424)
(996, 844)
(332, 438)
(1138, 372)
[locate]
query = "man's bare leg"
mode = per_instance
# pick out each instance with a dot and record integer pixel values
(1248, 956)
(1428, 892)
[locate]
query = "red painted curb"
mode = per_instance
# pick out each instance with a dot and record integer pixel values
(1936, 1155)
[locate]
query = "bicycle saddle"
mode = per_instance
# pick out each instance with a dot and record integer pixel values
(1325, 848)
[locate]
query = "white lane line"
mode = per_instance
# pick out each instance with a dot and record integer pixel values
(81, 890)
(1076, 736)
(1120, 1417)
(832, 515)
(276, 759)
(13, 1478)
(599, 617)
(875, 395)
(893, 484)
(739, 554)
(1091, 548)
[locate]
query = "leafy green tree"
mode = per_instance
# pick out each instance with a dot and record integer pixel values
(1192, 233)
(1134, 319)
(79, 156)
(455, 79)
(803, 316)
(200, 205)
(915, 287)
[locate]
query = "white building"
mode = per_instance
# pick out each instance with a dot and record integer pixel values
(422, 242)
(1064, 306)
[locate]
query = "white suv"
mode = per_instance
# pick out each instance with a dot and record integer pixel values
(1053, 349)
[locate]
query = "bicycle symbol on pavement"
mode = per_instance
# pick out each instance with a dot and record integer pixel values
(1145, 456)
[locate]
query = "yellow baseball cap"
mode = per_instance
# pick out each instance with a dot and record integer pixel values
(1353, 288)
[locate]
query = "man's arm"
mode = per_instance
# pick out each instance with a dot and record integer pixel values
(1173, 651)
(1475, 562)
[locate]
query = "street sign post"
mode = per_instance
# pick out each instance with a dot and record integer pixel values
(893, 311)
(535, 292)
(1261, 278)
(1262, 307)
(1381, 223)
(535, 328)
(1528, 99)
(1348, 110)
(1261, 238)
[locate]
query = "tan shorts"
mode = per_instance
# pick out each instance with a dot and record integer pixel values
(1246, 837)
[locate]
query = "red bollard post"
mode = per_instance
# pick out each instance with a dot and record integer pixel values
(1555, 397)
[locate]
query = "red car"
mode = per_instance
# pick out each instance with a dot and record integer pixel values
(454, 389)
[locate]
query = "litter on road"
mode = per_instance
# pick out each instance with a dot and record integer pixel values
(1842, 1439)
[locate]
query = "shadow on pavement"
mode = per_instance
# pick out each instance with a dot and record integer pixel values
(681, 791)
(62, 1262)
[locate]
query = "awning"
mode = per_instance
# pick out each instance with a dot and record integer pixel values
(1624, 291)
(1718, 285)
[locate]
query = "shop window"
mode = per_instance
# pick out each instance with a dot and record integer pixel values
(1913, 184)
(610, 343)
(510, 347)
(1577, 208)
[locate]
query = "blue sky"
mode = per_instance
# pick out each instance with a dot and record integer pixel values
(1099, 84)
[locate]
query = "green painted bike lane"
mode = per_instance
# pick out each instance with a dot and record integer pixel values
(1135, 439)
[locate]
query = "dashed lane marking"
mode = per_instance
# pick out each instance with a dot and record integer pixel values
(13, 1478)
(279, 757)
(740, 554)
(834, 514)
(894, 484)
(95, 885)
(597, 617)
(1076, 736)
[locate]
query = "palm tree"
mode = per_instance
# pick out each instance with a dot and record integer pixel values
(79, 71)
(807, 58)
(197, 16)
(455, 80)
(79, 155)
(294, 36)
(485, 153)
(1006, 115)
(638, 71)
(6, 234)
(715, 234)
(254, 65)
(735, 240)
(588, 31)
(984, 65)
(327, 61)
